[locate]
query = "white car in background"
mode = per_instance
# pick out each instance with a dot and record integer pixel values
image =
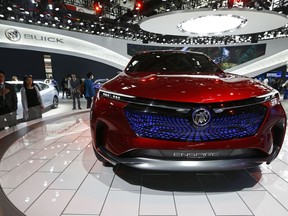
(48, 92)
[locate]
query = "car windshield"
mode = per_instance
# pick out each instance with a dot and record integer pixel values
(172, 62)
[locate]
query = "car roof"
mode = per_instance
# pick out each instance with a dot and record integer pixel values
(168, 51)
(101, 80)
(21, 82)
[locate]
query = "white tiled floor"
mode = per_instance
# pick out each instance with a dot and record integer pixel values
(52, 171)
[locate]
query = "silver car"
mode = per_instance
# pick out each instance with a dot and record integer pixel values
(48, 93)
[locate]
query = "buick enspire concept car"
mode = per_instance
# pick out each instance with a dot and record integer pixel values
(176, 110)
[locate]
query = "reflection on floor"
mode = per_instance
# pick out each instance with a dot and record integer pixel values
(52, 171)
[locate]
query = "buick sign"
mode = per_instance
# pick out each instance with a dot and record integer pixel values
(13, 34)
(201, 116)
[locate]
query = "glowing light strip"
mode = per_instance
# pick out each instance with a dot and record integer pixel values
(110, 94)
(192, 76)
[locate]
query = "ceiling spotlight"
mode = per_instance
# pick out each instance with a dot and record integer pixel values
(138, 5)
(97, 7)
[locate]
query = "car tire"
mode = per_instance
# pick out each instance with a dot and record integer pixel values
(55, 102)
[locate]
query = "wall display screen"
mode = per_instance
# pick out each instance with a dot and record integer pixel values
(225, 57)
(274, 74)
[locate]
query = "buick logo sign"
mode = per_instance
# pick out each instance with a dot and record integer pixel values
(201, 117)
(13, 35)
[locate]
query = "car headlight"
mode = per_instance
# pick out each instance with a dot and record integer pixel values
(272, 98)
(115, 96)
(274, 101)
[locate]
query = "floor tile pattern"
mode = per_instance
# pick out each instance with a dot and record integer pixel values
(52, 171)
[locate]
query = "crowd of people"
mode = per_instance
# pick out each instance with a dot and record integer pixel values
(75, 88)
(279, 84)
(31, 100)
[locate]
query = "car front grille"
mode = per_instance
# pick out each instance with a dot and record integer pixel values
(230, 123)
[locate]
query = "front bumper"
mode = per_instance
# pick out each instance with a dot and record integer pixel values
(187, 165)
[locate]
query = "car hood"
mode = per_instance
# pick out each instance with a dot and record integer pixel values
(194, 88)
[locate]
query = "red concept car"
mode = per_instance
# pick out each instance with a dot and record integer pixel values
(176, 110)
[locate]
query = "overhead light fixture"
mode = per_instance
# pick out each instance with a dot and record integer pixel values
(97, 7)
(212, 24)
(50, 6)
(138, 5)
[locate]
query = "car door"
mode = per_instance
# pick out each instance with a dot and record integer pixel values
(45, 93)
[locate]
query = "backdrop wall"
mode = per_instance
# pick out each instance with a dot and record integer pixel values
(112, 51)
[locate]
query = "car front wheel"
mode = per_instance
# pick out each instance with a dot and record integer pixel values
(55, 102)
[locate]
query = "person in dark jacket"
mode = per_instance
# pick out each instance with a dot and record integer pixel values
(89, 91)
(75, 91)
(8, 103)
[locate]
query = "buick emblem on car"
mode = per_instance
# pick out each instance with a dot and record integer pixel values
(13, 34)
(201, 117)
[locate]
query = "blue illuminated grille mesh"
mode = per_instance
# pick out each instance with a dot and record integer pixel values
(227, 125)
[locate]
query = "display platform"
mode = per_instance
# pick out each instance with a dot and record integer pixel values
(49, 168)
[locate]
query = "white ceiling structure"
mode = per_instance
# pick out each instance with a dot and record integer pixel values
(255, 21)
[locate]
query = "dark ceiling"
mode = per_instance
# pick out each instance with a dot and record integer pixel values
(121, 18)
